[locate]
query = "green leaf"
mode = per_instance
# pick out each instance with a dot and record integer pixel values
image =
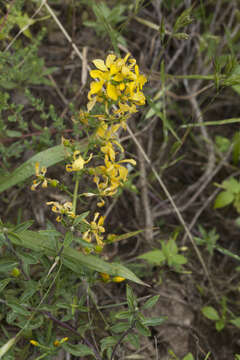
(120, 327)
(4, 283)
(80, 217)
(71, 258)
(107, 342)
(78, 350)
(50, 233)
(154, 257)
(220, 325)
(28, 258)
(189, 356)
(133, 339)
(154, 321)
(222, 143)
(232, 185)
(7, 265)
(122, 315)
(32, 288)
(18, 309)
(142, 329)
(223, 199)
(236, 147)
(183, 20)
(210, 313)
(114, 238)
(68, 239)
(236, 72)
(35, 323)
(179, 259)
(4, 348)
(46, 158)
(131, 298)
(236, 322)
(23, 226)
(150, 302)
(13, 133)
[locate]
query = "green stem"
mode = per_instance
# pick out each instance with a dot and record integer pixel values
(75, 195)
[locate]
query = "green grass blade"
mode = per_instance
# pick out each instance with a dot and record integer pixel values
(218, 122)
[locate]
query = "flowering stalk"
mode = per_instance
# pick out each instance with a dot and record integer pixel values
(116, 90)
(75, 195)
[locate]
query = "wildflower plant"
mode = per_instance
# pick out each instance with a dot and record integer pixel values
(115, 94)
(117, 84)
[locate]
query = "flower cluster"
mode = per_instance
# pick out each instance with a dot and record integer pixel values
(65, 209)
(118, 85)
(41, 178)
(95, 229)
(78, 162)
(118, 80)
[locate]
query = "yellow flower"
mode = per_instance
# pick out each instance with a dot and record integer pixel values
(65, 209)
(112, 174)
(116, 80)
(125, 108)
(40, 174)
(96, 229)
(78, 163)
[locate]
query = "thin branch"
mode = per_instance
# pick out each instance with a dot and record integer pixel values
(121, 339)
(179, 215)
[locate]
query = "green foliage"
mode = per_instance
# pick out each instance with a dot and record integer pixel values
(107, 20)
(230, 195)
(169, 254)
(132, 324)
(15, 17)
(221, 318)
(24, 68)
(189, 356)
(208, 239)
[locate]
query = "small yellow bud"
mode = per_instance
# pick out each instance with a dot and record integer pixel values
(15, 272)
(98, 249)
(63, 340)
(118, 279)
(54, 182)
(105, 277)
(34, 343)
(58, 343)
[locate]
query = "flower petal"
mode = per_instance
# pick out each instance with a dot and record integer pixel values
(112, 92)
(110, 59)
(99, 63)
(96, 87)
